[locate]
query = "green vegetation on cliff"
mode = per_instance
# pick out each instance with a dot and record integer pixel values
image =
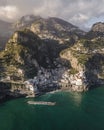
(88, 55)
(20, 54)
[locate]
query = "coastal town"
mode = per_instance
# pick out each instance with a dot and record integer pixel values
(47, 80)
(59, 78)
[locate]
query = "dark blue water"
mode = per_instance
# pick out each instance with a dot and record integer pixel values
(73, 111)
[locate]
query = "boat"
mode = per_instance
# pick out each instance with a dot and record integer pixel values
(41, 103)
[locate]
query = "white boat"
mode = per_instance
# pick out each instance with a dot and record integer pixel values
(41, 103)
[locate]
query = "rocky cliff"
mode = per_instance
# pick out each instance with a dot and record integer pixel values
(50, 28)
(21, 55)
(25, 53)
(53, 54)
(98, 27)
(97, 30)
(86, 57)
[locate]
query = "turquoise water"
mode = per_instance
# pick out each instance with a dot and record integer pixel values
(73, 111)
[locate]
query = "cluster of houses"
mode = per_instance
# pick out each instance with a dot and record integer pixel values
(46, 79)
(75, 82)
(51, 79)
(78, 81)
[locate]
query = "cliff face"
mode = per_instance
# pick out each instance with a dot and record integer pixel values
(87, 57)
(97, 31)
(98, 27)
(55, 56)
(57, 29)
(22, 55)
(50, 28)
(25, 53)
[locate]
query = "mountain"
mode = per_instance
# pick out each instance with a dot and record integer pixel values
(98, 27)
(26, 55)
(50, 28)
(54, 53)
(25, 51)
(87, 59)
(97, 30)
(20, 53)
(25, 21)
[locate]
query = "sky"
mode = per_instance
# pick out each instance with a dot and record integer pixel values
(82, 13)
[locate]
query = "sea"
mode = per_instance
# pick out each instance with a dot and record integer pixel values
(73, 111)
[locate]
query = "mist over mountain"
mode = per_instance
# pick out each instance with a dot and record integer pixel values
(5, 33)
(78, 12)
(52, 28)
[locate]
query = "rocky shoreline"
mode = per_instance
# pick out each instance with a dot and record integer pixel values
(47, 80)
(59, 78)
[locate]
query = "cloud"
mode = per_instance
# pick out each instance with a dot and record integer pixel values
(79, 18)
(78, 12)
(8, 12)
(49, 8)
